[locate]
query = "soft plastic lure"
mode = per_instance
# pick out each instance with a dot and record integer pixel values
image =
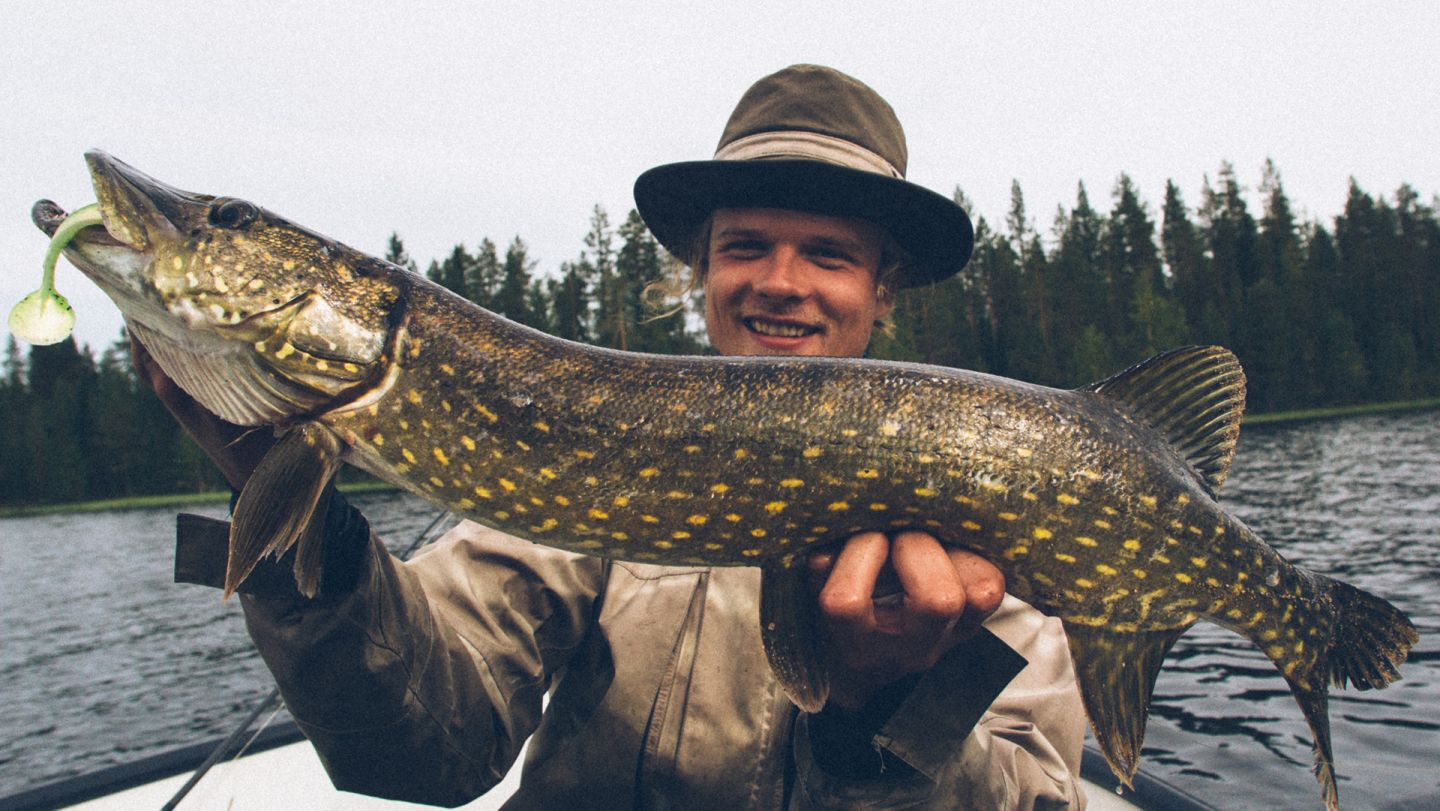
(44, 316)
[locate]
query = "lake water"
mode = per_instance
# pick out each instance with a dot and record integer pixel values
(103, 660)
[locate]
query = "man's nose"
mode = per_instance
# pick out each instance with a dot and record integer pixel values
(783, 275)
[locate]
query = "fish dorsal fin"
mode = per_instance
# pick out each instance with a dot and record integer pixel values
(1195, 396)
(1116, 673)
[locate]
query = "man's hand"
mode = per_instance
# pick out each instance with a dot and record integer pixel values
(893, 607)
(234, 449)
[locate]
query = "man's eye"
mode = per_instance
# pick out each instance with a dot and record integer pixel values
(743, 246)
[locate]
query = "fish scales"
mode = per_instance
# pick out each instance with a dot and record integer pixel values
(1097, 504)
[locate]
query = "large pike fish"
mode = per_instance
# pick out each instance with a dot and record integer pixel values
(1099, 504)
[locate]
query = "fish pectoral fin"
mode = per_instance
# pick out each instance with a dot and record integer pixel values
(1117, 672)
(277, 503)
(790, 630)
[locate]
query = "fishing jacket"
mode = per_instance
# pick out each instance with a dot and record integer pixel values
(422, 681)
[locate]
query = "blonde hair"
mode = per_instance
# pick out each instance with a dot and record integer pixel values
(685, 274)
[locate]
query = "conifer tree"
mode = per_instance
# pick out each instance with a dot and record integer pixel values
(512, 300)
(395, 254)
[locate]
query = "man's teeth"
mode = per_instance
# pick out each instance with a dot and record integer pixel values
(778, 330)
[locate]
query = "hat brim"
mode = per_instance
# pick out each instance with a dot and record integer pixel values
(677, 198)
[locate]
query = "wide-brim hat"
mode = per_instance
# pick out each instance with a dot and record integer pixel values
(810, 138)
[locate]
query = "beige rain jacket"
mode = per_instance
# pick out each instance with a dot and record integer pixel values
(424, 682)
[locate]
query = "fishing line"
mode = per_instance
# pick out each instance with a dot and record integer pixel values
(272, 700)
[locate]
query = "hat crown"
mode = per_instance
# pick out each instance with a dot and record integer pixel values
(821, 100)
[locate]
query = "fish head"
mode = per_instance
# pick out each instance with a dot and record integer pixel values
(259, 319)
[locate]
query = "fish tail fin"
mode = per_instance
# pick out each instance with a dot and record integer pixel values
(1368, 639)
(277, 504)
(1116, 673)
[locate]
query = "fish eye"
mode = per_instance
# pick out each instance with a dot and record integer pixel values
(228, 212)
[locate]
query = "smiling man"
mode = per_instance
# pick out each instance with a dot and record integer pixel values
(422, 680)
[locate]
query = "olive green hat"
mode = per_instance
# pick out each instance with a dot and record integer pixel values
(810, 138)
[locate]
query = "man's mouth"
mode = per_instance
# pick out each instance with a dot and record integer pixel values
(779, 329)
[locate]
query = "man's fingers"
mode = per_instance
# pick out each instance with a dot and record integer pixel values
(984, 586)
(934, 594)
(846, 597)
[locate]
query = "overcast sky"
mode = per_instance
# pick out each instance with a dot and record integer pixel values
(451, 122)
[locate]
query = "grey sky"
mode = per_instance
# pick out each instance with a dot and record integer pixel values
(453, 122)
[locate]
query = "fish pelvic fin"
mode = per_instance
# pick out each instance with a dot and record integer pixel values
(790, 631)
(1362, 642)
(1195, 396)
(277, 504)
(1117, 672)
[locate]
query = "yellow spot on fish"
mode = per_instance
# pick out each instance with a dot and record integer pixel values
(1042, 533)
(583, 454)
(719, 489)
(775, 507)
(547, 473)
(867, 473)
(350, 367)
(1084, 584)
(562, 501)
(1008, 516)
(440, 456)
(680, 535)
(838, 506)
(649, 519)
(712, 546)
(521, 445)
(925, 492)
(1148, 501)
(698, 520)
(486, 413)
(732, 518)
(1086, 541)
(1102, 523)
(750, 553)
(1183, 578)
(1016, 551)
(435, 480)
(621, 501)
(676, 494)
(482, 492)
(1133, 544)
(810, 453)
(649, 472)
(508, 485)
(260, 347)
(994, 487)
(758, 533)
(692, 448)
(1024, 453)
(791, 483)
(468, 443)
(1066, 498)
(414, 396)
(877, 506)
(970, 525)
(1140, 574)
(285, 351)
(1106, 570)
(1111, 511)
(1029, 496)
(598, 515)
(1064, 558)
(741, 453)
(1182, 499)
(378, 439)
(409, 457)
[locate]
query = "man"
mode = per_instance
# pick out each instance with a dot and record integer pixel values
(422, 681)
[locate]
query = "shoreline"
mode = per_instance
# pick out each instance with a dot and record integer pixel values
(220, 496)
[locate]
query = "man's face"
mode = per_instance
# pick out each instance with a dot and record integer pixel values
(784, 282)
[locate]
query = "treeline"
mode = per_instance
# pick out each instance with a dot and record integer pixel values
(1319, 314)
